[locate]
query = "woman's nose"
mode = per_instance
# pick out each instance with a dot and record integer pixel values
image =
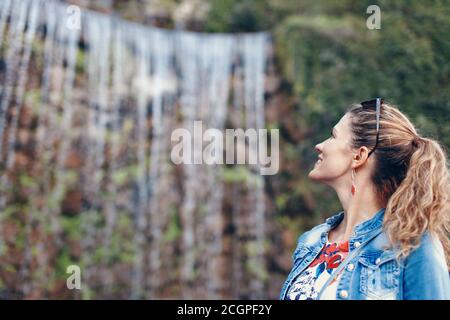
(318, 147)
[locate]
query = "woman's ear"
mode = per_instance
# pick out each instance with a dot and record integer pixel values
(360, 156)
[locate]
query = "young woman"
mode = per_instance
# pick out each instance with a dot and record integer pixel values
(391, 241)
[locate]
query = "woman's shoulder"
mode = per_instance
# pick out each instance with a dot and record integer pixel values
(426, 273)
(311, 236)
(430, 249)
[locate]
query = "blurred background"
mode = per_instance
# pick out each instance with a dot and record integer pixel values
(87, 109)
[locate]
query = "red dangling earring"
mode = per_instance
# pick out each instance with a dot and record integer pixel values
(353, 190)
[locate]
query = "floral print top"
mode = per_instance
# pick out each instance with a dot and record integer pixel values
(308, 284)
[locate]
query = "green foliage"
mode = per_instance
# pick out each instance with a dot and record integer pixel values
(125, 174)
(72, 226)
(334, 61)
(10, 210)
(80, 62)
(124, 220)
(237, 16)
(173, 231)
(240, 174)
(64, 260)
(254, 268)
(33, 99)
(234, 174)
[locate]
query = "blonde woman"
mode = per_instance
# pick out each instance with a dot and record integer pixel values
(391, 241)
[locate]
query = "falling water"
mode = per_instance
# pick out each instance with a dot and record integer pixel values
(16, 31)
(102, 192)
(23, 67)
(254, 84)
(162, 52)
(21, 82)
(110, 206)
(141, 222)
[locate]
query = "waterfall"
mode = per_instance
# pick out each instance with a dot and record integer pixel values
(98, 105)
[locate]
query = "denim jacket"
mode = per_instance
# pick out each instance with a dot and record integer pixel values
(374, 272)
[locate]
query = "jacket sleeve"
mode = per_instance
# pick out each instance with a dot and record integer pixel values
(426, 275)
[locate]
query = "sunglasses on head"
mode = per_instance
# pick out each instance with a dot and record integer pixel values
(370, 104)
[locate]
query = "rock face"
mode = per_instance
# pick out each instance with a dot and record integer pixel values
(87, 177)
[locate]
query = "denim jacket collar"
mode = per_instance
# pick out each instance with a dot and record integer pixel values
(365, 227)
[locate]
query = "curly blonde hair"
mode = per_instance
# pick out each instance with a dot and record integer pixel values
(411, 175)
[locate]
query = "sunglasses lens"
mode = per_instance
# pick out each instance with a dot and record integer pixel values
(370, 103)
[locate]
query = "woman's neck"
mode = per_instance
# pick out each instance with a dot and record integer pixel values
(360, 207)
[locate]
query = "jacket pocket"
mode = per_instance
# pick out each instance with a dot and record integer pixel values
(379, 277)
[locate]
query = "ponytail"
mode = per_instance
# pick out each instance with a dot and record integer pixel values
(421, 202)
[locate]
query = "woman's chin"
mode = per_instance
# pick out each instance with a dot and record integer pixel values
(313, 174)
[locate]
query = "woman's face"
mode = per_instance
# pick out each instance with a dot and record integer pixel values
(335, 154)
